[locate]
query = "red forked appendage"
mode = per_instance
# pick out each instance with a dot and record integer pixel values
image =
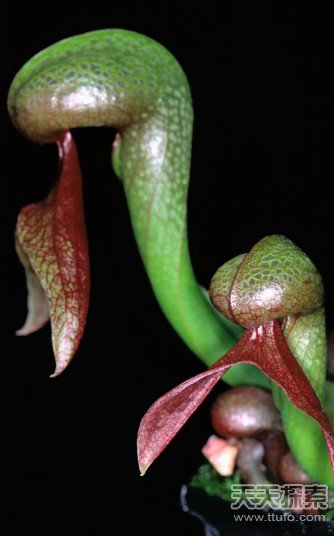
(52, 244)
(263, 346)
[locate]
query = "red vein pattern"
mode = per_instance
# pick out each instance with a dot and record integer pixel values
(263, 346)
(52, 244)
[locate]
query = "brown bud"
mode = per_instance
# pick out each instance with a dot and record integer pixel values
(250, 463)
(291, 473)
(275, 447)
(245, 412)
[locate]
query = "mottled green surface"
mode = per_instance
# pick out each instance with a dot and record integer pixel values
(128, 81)
(277, 280)
(274, 280)
(306, 337)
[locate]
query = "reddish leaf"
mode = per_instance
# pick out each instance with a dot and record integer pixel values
(52, 245)
(263, 346)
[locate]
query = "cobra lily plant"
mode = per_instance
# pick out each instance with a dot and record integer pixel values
(274, 293)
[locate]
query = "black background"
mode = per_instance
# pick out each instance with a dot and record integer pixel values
(262, 163)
